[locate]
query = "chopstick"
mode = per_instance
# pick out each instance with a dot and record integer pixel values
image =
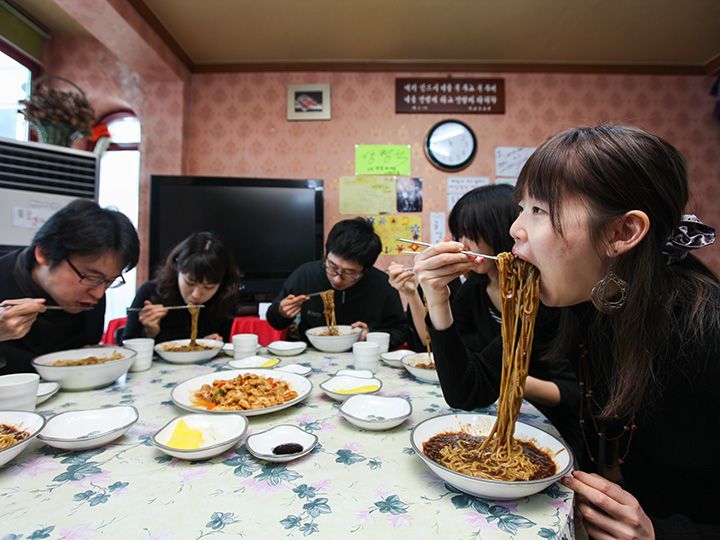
(315, 293)
(471, 253)
(49, 308)
(169, 307)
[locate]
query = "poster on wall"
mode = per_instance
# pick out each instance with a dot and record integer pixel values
(409, 194)
(457, 186)
(391, 227)
(367, 194)
(382, 159)
(509, 160)
(443, 95)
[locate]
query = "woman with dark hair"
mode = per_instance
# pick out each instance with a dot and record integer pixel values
(199, 270)
(602, 220)
(481, 221)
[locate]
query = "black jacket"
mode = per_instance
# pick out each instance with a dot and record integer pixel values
(371, 300)
(53, 330)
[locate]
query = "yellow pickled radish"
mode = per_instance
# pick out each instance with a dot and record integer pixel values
(358, 389)
(185, 438)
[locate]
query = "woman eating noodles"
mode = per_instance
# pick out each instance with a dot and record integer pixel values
(602, 218)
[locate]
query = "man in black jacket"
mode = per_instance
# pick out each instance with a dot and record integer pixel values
(363, 296)
(74, 258)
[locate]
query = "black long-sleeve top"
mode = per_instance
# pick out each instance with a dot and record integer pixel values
(176, 324)
(53, 330)
(371, 300)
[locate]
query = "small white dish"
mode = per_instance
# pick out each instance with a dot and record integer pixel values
(254, 362)
(88, 376)
(219, 434)
(394, 358)
(46, 390)
(228, 349)
(91, 428)
(27, 421)
(287, 348)
(296, 368)
(262, 445)
(361, 373)
(341, 387)
(376, 413)
(411, 362)
(190, 357)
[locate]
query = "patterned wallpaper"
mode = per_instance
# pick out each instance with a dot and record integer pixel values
(235, 124)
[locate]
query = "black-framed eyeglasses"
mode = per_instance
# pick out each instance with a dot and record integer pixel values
(93, 281)
(331, 269)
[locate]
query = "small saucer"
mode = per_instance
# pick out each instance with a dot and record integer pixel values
(296, 368)
(287, 348)
(81, 430)
(219, 434)
(46, 390)
(341, 387)
(394, 358)
(261, 444)
(254, 362)
(361, 373)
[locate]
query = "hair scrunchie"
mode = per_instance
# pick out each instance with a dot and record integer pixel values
(691, 233)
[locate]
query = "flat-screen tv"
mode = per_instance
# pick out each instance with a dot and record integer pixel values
(271, 226)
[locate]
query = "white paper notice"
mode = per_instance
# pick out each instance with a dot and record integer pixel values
(509, 160)
(437, 227)
(457, 186)
(508, 181)
(31, 217)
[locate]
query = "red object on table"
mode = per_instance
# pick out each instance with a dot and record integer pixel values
(109, 335)
(254, 325)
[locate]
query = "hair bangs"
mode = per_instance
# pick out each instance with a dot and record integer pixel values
(202, 267)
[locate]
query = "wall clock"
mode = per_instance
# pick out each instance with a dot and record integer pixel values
(450, 145)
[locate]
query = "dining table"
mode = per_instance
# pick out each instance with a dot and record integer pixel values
(355, 483)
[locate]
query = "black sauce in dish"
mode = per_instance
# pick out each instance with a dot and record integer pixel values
(287, 448)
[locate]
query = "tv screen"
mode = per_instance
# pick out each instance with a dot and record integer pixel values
(271, 226)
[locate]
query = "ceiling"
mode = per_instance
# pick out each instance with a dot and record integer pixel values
(231, 35)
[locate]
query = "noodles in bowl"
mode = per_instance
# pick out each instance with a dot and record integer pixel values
(183, 351)
(477, 426)
(342, 341)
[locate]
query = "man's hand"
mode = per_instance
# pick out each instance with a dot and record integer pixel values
(17, 319)
(291, 305)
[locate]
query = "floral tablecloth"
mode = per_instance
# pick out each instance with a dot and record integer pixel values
(355, 484)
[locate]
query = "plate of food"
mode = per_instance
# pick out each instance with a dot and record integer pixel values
(17, 429)
(84, 369)
(182, 351)
(249, 392)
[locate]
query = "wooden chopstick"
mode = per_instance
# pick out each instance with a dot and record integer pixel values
(466, 252)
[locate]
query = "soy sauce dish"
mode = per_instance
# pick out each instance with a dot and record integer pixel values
(281, 443)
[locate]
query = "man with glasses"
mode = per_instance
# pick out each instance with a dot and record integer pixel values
(53, 292)
(363, 295)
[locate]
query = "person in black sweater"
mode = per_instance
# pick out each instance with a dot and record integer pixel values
(78, 253)
(602, 220)
(199, 271)
(363, 297)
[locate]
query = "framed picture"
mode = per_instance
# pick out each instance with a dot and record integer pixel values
(308, 102)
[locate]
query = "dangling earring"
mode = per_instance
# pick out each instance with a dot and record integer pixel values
(611, 284)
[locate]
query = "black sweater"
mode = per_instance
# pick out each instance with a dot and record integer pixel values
(371, 300)
(176, 324)
(52, 331)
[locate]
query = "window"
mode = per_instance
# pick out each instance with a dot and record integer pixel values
(15, 86)
(120, 188)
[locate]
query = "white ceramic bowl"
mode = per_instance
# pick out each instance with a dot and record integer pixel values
(340, 343)
(91, 428)
(261, 444)
(25, 421)
(220, 433)
(426, 375)
(341, 387)
(18, 391)
(46, 390)
(86, 377)
(394, 358)
(296, 368)
(192, 357)
(182, 394)
(254, 362)
(376, 413)
(482, 424)
(287, 348)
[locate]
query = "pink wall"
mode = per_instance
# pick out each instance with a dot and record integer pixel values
(238, 127)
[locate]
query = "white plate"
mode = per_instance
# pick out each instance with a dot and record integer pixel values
(334, 386)
(421, 374)
(261, 444)
(191, 357)
(482, 424)
(376, 413)
(254, 362)
(220, 433)
(25, 421)
(361, 373)
(394, 358)
(287, 348)
(296, 368)
(183, 392)
(230, 350)
(80, 430)
(85, 377)
(46, 390)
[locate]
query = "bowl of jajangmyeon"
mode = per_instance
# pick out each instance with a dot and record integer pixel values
(338, 338)
(451, 446)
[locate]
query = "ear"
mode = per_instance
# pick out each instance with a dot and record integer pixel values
(40, 257)
(628, 230)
